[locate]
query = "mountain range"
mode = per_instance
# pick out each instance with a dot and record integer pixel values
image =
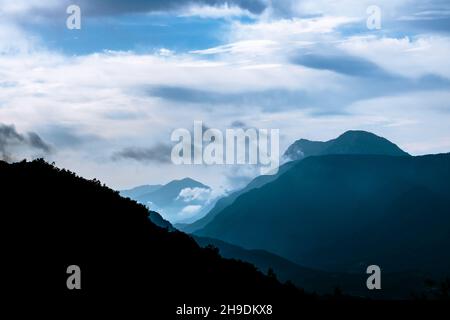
(341, 213)
(350, 142)
(396, 285)
(180, 201)
(335, 208)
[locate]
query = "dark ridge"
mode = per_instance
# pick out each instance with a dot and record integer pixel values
(54, 219)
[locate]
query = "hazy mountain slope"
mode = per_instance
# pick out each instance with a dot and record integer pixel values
(350, 142)
(229, 199)
(166, 194)
(305, 148)
(139, 191)
(340, 213)
(362, 142)
(67, 220)
(167, 201)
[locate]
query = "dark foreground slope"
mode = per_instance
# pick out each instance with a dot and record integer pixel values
(310, 279)
(395, 286)
(52, 219)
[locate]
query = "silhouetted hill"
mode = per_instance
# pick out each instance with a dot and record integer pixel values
(345, 212)
(397, 285)
(350, 142)
(307, 278)
(156, 218)
(53, 219)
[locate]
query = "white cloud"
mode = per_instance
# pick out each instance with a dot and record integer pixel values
(221, 11)
(192, 194)
(351, 8)
(288, 30)
(205, 196)
(13, 40)
(85, 92)
(189, 211)
(418, 121)
(27, 7)
(268, 41)
(420, 56)
(165, 52)
(242, 47)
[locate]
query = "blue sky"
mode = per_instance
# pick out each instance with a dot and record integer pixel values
(137, 32)
(139, 69)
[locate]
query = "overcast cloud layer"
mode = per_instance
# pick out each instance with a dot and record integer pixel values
(104, 100)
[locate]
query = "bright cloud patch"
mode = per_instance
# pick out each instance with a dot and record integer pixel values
(190, 211)
(221, 11)
(409, 57)
(191, 194)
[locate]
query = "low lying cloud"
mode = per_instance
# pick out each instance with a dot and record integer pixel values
(13, 143)
(201, 196)
(220, 11)
(191, 194)
(190, 210)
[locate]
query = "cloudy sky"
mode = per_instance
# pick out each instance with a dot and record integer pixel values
(103, 100)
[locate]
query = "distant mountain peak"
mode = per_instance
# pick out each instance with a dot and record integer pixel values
(187, 179)
(187, 183)
(172, 198)
(190, 180)
(350, 142)
(359, 134)
(334, 211)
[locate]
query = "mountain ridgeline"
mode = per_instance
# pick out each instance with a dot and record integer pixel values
(224, 202)
(336, 208)
(350, 142)
(166, 199)
(345, 212)
(53, 219)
